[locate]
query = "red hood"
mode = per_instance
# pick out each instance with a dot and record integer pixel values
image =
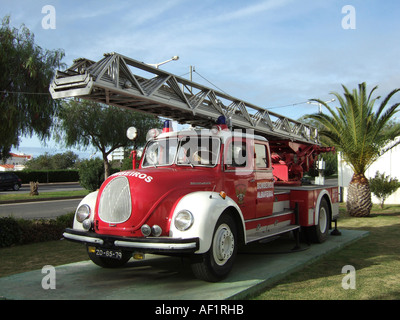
(154, 193)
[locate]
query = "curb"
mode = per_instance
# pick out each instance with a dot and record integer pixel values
(41, 199)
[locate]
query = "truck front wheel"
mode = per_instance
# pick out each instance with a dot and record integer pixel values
(216, 264)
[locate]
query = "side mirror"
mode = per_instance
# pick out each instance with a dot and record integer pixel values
(131, 133)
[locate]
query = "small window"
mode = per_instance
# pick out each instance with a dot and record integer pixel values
(261, 156)
(236, 154)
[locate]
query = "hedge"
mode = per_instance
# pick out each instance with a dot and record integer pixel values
(20, 231)
(46, 176)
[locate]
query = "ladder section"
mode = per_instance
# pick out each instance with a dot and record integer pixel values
(124, 82)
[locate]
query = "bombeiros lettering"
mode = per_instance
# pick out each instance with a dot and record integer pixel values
(136, 174)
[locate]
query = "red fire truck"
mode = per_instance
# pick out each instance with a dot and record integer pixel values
(233, 178)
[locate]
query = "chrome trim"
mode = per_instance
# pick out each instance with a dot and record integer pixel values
(83, 238)
(154, 245)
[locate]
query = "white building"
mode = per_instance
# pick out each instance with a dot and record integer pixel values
(117, 154)
(16, 162)
(388, 164)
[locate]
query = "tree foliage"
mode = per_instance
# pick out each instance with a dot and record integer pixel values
(355, 129)
(58, 161)
(91, 174)
(360, 133)
(26, 69)
(383, 186)
(86, 123)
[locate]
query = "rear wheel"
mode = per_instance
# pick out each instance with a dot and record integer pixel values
(319, 232)
(109, 262)
(216, 264)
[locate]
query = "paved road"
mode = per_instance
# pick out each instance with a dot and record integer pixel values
(47, 187)
(39, 209)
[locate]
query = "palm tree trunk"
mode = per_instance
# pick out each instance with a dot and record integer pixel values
(359, 202)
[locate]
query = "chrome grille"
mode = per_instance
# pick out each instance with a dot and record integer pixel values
(115, 203)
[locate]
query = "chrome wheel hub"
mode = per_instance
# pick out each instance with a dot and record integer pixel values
(223, 244)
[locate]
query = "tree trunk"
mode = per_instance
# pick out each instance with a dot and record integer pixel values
(359, 202)
(106, 167)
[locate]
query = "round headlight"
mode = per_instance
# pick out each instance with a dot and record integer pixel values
(156, 230)
(82, 213)
(146, 230)
(184, 220)
(87, 224)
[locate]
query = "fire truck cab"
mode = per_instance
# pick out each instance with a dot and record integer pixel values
(201, 194)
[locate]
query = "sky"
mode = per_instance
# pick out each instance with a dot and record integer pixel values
(276, 54)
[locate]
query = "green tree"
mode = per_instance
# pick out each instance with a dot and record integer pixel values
(26, 69)
(59, 161)
(360, 133)
(84, 123)
(383, 186)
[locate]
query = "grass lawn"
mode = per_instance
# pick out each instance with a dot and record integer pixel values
(376, 259)
(43, 195)
(34, 256)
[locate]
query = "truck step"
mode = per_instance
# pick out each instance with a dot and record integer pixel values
(270, 233)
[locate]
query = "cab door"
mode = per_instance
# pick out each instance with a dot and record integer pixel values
(239, 178)
(264, 180)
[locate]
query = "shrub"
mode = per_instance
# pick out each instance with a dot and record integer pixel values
(46, 176)
(91, 174)
(20, 231)
(383, 186)
(10, 232)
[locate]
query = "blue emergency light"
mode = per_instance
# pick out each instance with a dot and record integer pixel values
(167, 126)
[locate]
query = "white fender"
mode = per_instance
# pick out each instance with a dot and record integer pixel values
(206, 208)
(90, 200)
(321, 194)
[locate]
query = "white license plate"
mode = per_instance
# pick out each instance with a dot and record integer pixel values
(107, 253)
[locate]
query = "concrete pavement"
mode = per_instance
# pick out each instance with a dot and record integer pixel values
(166, 278)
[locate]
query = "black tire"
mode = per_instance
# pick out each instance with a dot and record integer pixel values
(319, 233)
(217, 262)
(16, 187)
(109, 262)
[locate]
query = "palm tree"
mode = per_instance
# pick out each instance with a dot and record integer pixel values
(360, 133)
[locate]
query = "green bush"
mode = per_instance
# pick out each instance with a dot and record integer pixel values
(91, 174)
(383, 186)
(20, 231)
(10, 231)
(46, 176)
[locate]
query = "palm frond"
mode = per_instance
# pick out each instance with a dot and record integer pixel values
(354, 128)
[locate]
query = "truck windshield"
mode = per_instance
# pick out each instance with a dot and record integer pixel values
(160, 153)
(198, 151)
(190, 150)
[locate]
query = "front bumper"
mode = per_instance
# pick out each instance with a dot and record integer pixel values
(146, 245)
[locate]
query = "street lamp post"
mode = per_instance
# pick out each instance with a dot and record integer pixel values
(320, 104)
(156, 65)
